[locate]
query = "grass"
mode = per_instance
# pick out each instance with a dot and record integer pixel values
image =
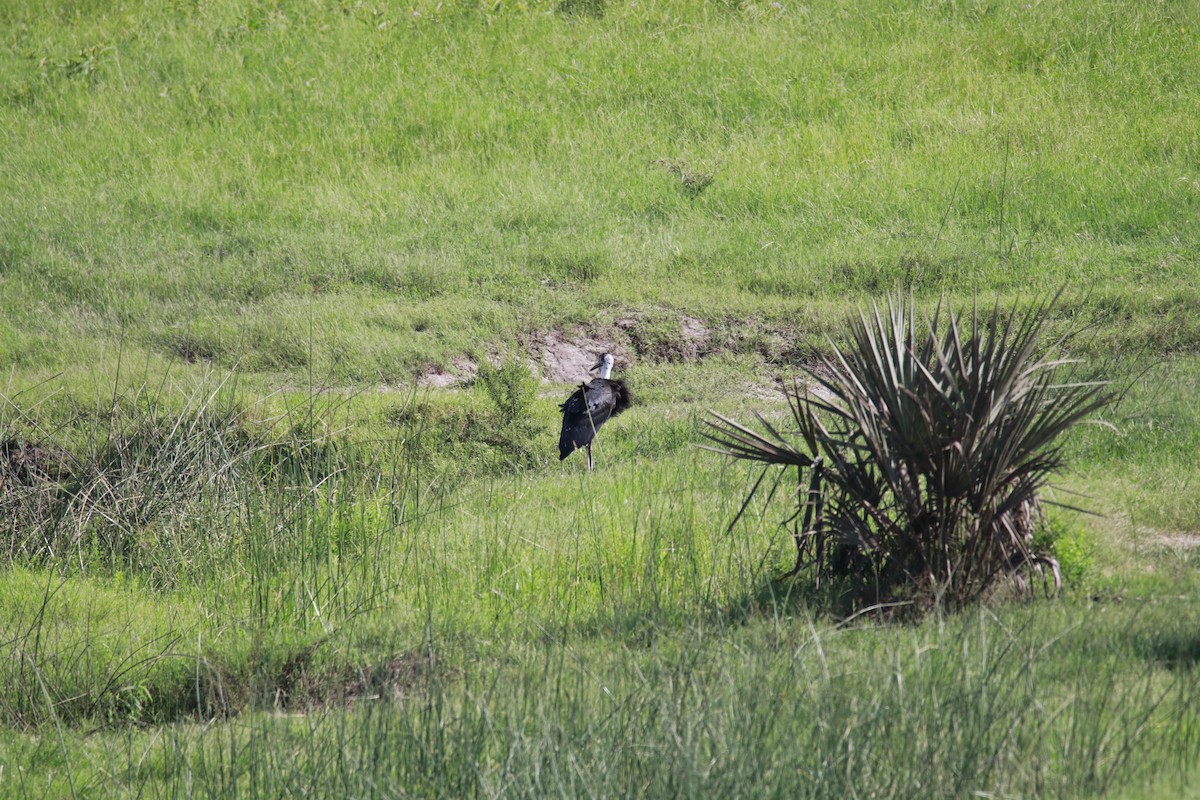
(320, 185)
(981, 703)
(267, 563)
(545, 631)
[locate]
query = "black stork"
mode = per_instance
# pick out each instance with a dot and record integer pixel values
(590, 407)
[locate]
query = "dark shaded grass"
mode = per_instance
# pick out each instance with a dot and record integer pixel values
(976, 704)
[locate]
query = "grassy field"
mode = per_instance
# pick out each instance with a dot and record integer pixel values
(266, 560)
(369, 190)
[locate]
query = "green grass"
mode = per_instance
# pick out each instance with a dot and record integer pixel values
(980, 703)
(546, 631)
(365, 192)
(268, 564)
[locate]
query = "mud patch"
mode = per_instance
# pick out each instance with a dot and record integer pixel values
(810, 379)
(437, 378)
(694, 330)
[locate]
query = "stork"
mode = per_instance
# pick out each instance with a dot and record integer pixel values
(590, 407)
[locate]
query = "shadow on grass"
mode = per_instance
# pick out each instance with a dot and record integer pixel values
(779, 598)
(800, 595)
(1173, 649)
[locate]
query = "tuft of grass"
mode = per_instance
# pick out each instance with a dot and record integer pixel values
(511, 388)
(1072, 545)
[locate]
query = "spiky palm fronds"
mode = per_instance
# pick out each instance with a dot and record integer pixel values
(927, 449)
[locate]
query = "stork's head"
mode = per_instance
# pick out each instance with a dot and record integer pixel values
(604, 364)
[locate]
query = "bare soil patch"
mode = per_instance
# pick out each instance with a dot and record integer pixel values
(565, 355)
(567, 359)
(461, 370)
(1173, 540)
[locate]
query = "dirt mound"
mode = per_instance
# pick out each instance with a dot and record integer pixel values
(566, 357)
(567, 360)
(658, 336)
(696, 334)
(643, 337)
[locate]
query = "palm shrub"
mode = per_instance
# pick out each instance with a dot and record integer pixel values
(920, 454)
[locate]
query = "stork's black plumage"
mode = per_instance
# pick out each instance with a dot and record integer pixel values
(592, 404)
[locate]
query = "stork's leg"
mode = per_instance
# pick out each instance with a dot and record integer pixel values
(589, 449)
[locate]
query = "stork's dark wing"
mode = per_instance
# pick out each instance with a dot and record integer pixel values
(583, 414)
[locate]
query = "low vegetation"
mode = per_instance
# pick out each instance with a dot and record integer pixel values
(279, 502)
(348, 613)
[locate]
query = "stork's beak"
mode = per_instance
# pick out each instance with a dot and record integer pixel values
(597, 365)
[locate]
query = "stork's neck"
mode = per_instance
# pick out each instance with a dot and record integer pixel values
(606, 369)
